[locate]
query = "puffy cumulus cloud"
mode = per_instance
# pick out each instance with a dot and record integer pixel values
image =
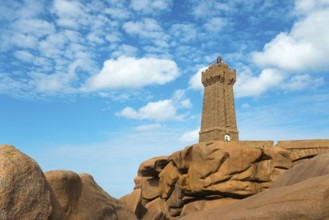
(151, 6)
(253, 85)
(161, 110)
(292, 60)
(190, 137)
(288, 53)
(306, 46)
(195, 80)
(129, 72)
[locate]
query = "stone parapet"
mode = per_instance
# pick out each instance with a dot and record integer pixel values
(303, 144)
(257, 144)
(304, 149)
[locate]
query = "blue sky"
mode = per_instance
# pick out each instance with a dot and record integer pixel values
(100, 86)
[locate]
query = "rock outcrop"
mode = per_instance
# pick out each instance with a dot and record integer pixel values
(82, 199)
(300, 193)
(209, 180)
(24, 190)
(27, 193)
(202, 176)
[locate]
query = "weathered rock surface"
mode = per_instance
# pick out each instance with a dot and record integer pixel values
(24, 190)
(82, 199)
(200, 205)
(300, 193)
(202, 176)
(152, 166)
(209, 180)
(315, 167)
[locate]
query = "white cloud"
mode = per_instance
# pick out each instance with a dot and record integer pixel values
(73, 36)
(17, 88)
(305, 6)
(162, 110)
(60, 81)
(147, 29)
(151, 6)
(180, 100)
(215, 24)
(213, 8)
(24, 55)
(34, 27)
(113, 37)
(75, 15)
(190, 137)
(305, 47)
(287, 53)
(68, 23)
(125, 50)
(179, 94)
(148, 127)
(296, 56)
(302, 81)
(247, 84)
(245, 106)
(64, 8)
(115, 96)
(185, 103)
(251, 85)
(195, 80)
(159, 111)
(17, 39)
(94, 38)
(21, 9)
(129, 72)
(210, 8)
(118, 12)
(184, 32)
(52, 46)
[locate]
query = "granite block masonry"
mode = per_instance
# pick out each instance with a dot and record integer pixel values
(218, 111)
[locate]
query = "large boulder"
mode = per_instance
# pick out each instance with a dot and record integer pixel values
(25, 192)
(204, 175)
(82, 199)
(300, 193)
(317, 166)
(153, 166)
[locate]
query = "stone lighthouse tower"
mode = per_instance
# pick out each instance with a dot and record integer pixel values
(218, 111)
